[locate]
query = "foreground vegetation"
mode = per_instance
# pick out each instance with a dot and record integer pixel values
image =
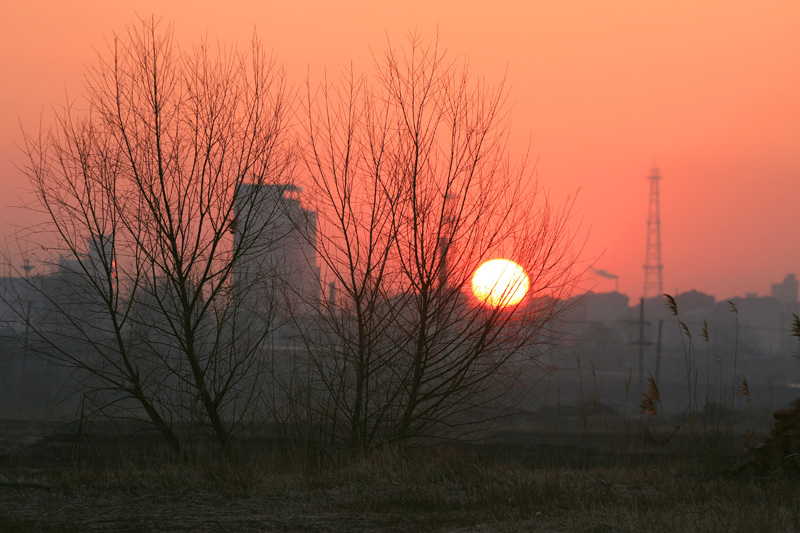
(437, 488)
(588, 469)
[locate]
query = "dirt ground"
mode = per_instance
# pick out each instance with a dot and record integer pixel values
(517, 482)
(60, 509)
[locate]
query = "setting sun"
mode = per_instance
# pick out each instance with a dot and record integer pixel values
(499, 283)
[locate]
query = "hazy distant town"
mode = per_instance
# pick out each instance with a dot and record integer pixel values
(606, 346)
(612, 333)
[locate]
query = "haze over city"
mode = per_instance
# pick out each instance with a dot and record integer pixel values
(418, 266)
(599, 94)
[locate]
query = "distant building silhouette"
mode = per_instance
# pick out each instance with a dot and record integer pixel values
(277, 279)
(695, 302)
(786, 291)
(607, 306)
(762, 323)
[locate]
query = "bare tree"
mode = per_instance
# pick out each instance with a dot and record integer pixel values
(415, 189)
(143, 187)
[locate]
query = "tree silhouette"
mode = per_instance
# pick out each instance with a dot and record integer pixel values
(415, 189)
(140, 182)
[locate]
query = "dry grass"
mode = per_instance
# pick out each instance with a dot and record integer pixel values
(435, 489)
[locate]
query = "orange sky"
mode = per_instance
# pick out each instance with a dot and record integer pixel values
(709, 90)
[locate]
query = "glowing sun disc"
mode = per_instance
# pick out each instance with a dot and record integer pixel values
(499, 283)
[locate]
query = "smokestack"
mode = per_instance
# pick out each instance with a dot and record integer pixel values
(605, 274)
(608, 275)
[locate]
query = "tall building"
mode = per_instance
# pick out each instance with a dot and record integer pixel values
(277, 279)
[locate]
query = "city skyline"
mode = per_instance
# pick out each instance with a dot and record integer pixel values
(599, 95)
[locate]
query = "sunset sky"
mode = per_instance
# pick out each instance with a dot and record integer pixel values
(601, 91)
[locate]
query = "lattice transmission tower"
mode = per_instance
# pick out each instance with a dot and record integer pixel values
(652, 264)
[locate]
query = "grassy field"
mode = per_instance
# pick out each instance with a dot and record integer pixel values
(577, 482)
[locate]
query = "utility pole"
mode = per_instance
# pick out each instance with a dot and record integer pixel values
(26, 267)
(658, 349)
(642, 343)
